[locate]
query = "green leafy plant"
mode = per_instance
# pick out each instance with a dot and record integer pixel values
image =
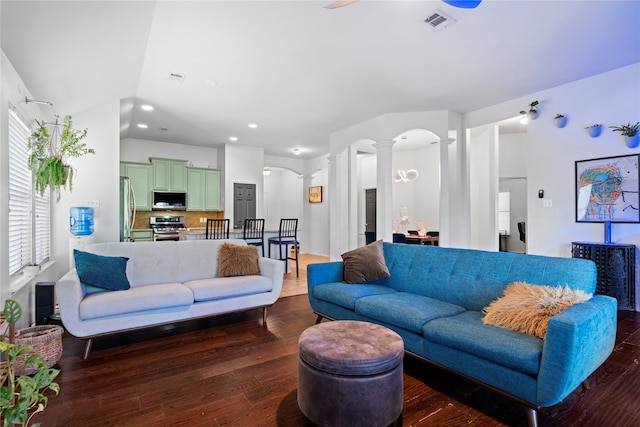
(50, 152)
(533, 108)
(558, 116)
(628, 129)
(22, 396)
(593, 126)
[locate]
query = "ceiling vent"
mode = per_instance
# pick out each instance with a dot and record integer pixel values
(439, 20)
(177, 78)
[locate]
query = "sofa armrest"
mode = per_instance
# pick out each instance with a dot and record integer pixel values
(273, 269)
(578, 341)
(69, 294)
(324, 272)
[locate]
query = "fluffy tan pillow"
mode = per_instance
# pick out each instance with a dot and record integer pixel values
(365, 264)
(527, 308)
(236, 260)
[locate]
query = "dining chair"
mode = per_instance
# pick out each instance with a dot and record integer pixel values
(369, 237)
(399, 238)
(217, 229)
(253, 232)
(287, 235)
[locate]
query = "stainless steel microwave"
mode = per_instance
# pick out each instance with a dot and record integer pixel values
(169, 201)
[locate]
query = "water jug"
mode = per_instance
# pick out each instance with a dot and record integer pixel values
(81, 221)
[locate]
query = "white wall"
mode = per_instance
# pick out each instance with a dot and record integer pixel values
(283, 197)
(421, 196)
(139, 150)
(96, 178)
(242, 165)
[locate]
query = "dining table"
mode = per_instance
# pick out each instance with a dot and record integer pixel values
(416, 239)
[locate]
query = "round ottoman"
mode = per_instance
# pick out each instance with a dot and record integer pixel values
(350, 374)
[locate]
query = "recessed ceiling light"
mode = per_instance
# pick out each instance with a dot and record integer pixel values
(253, 125)
(296, 151)
(142, 126)
(233, 138)
(147, 107)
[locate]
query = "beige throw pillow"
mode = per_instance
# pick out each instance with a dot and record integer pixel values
(365, 264)
(527, 308)
(236, 260)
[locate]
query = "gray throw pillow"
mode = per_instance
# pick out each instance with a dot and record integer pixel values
(365, 264)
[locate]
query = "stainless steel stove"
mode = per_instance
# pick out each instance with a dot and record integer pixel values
(166, 227)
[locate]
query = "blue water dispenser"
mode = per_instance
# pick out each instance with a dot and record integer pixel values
(81, 221)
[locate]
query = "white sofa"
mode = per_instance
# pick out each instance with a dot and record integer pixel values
(170, 282)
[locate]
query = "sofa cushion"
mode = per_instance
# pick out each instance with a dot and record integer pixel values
(528, 308)
(105, 272)
(466, 332)
(408, 311)
(346, 295)
(236, 260)
(134, 300)
(365, 264)
(227, 287)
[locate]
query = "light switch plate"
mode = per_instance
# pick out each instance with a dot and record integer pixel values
(547, 203)
(92, 203)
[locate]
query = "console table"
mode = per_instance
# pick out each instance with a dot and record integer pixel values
(616, 269)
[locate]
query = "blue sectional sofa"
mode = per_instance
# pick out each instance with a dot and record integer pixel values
(435, 296)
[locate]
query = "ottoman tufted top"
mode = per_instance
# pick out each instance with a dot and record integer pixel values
(349, 347)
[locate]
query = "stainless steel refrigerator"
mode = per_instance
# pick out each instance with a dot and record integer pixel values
(127, 208)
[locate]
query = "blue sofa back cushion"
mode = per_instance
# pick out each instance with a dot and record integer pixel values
(105, 272)
(473, 278)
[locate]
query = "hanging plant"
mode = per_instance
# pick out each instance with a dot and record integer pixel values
(50, 152)
(594, 130)
(533, 110)
(630, 133)
(560, 120)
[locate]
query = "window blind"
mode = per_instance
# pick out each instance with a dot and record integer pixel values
(29, 217)
(19, 195)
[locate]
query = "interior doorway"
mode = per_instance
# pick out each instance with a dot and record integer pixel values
(244, 203)
(370, 210)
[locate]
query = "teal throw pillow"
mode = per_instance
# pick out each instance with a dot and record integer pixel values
(106, 272)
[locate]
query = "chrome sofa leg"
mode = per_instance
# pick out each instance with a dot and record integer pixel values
(264, 316)
(87, 348)
(532, 416)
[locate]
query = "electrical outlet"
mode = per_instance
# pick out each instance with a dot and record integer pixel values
(547, 203)
(92, 203)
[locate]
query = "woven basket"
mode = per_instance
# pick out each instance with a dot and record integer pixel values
(45, 339)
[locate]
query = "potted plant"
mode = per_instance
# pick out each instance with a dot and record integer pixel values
(630, 133)
(594, 130)
(560, 120)
(50, 152)
(21, 396)
(533, 110)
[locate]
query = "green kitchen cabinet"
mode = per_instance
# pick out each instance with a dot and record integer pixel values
(141, 178)
(203, 190)
(169, 175)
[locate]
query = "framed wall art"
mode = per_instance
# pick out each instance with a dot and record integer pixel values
(315, 194)
(607, 189)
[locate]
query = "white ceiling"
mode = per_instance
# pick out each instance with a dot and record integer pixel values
(298, 70)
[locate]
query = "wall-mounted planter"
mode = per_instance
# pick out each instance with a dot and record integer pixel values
(632, 141)
(560, 121)
(594, 131)
(533, 115)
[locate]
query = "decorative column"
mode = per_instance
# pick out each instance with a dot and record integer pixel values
(338, 204)
(384, 191)
(305, 238)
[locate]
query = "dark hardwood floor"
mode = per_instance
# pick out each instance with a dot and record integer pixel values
(232, 371)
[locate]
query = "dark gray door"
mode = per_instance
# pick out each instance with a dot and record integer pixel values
(370, 210)
(244, 203)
